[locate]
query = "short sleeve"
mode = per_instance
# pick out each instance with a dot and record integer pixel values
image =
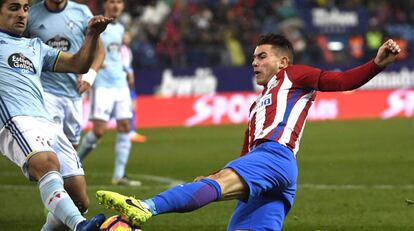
(50, 56)
(87, 17)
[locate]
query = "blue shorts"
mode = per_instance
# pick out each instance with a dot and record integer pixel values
(270, 172)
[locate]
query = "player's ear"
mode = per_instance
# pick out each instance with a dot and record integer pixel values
(284, 62)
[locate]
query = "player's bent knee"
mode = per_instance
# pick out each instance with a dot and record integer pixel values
(41, 163)
(232, 185)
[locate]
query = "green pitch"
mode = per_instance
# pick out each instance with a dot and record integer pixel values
(353, 175)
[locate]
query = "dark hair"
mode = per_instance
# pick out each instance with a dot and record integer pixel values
(278, 42)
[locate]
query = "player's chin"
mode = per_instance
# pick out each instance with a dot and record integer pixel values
(19, 29)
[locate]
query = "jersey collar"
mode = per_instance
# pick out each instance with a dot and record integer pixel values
(55, 11)
(10, 33)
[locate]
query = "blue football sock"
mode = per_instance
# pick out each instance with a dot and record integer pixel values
(122, 148)
(185, 197)
(57, 200)
(87, 145)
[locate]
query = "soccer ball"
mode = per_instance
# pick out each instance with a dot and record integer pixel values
(118, 223)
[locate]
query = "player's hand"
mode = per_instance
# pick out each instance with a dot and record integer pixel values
(82, 86)
(387, 53)
(98, 24)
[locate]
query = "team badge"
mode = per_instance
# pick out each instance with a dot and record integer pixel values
(71, 25)
(21, 64)
(113, 47)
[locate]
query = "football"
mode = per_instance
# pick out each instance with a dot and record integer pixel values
(118, 223)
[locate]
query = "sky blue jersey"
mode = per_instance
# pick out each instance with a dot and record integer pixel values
(21, 63)
(64, 30)
(113, 73)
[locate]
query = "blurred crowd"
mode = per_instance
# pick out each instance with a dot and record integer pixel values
(188, 33)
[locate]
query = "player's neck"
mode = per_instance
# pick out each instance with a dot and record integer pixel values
(110, 16)
(55, 7)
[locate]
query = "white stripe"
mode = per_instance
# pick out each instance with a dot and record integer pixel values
(281, 98)
(297, 109)
(260, 114)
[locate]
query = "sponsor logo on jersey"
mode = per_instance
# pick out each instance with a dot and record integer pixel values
(113, 47)
(2, 42)
(60, 43)
(21, 64)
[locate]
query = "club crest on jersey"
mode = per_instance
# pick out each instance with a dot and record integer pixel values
(21, 64)
(71, 24)
(266, 100)
(113, 47)
(60, 43)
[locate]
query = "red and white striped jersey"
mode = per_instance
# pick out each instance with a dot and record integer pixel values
(279, 114)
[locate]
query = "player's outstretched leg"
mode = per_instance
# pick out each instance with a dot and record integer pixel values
(182, 198)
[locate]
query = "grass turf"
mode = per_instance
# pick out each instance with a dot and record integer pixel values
(353, 175)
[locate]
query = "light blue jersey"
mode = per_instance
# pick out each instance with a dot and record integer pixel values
(21, 63)
(64, 30)
(113, 74)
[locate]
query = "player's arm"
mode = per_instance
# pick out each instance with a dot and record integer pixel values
(81, 61)
(85, 81)
(351, 79)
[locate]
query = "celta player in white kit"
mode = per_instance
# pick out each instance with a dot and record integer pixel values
(110, 97)
(28, 136)
(62, 24)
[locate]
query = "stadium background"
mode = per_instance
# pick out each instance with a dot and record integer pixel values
(193, 57)
(192, 67)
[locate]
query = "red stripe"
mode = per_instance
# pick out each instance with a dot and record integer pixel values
(271, 109)
(252, 125)
(252, 129)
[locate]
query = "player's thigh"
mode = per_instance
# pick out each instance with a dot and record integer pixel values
(70, 164)
(268, 167)
(102, 103)
(23, 137)
(76, 188)
(123, 105)
(231, 184)
(72, 123)
(259, 214)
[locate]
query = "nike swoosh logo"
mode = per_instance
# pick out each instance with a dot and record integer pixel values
(129, 201)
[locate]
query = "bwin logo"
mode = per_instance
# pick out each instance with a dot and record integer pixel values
(267, 100)
(2, 42)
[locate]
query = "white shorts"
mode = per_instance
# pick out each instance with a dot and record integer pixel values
(24, 136)
(67, 113)
(109, 103)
